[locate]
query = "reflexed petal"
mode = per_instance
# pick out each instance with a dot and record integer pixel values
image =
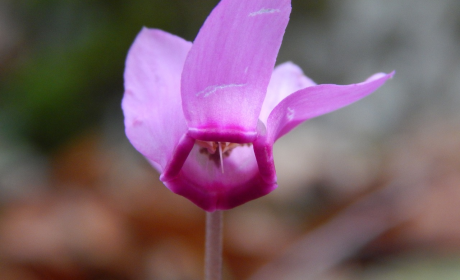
(287, 78)
(154, 121)
(228, 69)
(317, 100)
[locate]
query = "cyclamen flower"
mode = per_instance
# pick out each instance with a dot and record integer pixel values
(206, 115)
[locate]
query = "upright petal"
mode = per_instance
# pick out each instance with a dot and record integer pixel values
(286, 79)
(228, 69)
(317, 100)
(154, 121)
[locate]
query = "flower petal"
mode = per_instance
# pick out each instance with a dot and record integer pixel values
(154, 121)
(228, 69)
(287, 78)
(201, 179)
(317, 100)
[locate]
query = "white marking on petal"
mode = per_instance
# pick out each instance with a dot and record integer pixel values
(212, 89)
(290, 114)
(264, 11)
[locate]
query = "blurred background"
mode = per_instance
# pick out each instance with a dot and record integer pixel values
(371, 191)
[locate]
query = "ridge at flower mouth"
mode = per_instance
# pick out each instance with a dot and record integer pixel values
(216, 133)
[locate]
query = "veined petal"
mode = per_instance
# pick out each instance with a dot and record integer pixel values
(286, 79)
(317, 100)
(154, 121)
(228, 69)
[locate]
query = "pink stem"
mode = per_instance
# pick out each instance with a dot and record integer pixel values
(213, 251)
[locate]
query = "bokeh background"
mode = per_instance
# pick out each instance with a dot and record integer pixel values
(371, 191)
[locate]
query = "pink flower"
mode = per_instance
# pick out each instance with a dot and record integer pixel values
(206, 115)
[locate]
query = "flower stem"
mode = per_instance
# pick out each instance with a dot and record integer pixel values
(213, 251)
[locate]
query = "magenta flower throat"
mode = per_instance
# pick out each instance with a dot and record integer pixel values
(206, 115)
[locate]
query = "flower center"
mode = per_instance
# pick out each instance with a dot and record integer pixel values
(224, 149)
